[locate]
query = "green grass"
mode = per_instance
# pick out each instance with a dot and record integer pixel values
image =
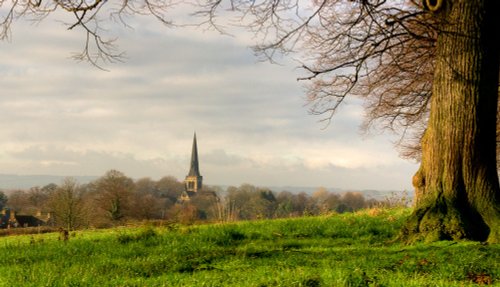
(337, 250)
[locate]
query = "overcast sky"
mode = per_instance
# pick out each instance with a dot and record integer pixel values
(60, 117)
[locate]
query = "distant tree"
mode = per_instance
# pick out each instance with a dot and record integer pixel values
(269, 203)
(19, 201)
(353, 200)
(170, 188)
(250, 202)
(49, 188)
(217, 209)
(146, 205)
(237, 200)
(332, 200)
(186, 213)
(305, 204)
(67, 205)
(290, 204)
(29, 202)
(342, 207)
(326, 201)
(207, 203)
(284, 204)
(113, 195)
(372, 203)
(38, 198)
(146, 185)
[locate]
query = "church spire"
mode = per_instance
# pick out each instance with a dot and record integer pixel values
(193, 181)
(194, 169)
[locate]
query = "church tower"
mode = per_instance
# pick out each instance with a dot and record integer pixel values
(193, 181)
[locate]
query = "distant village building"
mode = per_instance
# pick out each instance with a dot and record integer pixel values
(194, 181)
(9, 218)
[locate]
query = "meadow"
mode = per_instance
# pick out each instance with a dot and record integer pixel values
(351, 249)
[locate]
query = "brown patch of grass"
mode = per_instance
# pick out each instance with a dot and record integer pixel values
(480, 278)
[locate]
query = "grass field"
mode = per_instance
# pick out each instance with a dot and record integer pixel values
(335, 250)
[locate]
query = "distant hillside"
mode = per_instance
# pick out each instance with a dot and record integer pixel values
(12, 181)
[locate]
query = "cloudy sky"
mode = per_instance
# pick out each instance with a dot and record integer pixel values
(60, 117)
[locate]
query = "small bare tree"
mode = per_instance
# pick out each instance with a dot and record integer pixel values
(67, 206)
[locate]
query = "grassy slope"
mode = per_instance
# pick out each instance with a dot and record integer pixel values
(339, 250)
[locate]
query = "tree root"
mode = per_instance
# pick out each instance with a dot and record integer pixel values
(445, 221)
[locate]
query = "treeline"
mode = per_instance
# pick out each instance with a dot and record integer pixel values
(115, 199)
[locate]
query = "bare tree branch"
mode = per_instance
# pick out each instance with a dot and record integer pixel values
(378, 50)
(99, 48)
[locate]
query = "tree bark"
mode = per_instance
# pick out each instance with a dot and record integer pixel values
(457, 188)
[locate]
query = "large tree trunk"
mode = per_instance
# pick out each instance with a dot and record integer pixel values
(457, 188)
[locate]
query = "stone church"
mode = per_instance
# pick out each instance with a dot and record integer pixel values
(194, 181)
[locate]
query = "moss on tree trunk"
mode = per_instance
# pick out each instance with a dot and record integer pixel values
(457, 189)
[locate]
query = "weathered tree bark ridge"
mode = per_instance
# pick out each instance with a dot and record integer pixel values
(457, 188)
